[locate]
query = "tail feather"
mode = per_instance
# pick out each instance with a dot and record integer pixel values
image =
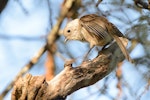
(123, 48)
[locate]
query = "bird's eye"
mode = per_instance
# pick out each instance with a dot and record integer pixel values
(68, 31)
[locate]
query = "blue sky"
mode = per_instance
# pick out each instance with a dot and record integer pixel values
(16, 52)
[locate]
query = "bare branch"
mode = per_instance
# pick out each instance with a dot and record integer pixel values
(50, 13)
(98, 2)
(70, 79)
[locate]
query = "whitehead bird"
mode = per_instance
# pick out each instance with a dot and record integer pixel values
(96, 30)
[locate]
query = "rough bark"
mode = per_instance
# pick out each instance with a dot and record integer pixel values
(70, 79)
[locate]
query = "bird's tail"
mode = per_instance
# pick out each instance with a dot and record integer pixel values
(122, 42)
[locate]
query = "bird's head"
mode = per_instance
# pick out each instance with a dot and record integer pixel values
(72, 30)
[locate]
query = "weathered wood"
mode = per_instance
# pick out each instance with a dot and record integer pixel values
(70, 79)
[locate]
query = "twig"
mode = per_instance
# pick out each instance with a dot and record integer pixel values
(98, 2)
(144, 91)
(22, 7)
(50, 14)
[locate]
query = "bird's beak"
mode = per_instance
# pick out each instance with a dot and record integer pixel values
(66, 40)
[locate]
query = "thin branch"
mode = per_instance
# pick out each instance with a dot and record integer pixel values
(98, 2)
(50, 13)
(144, 91)
(22, 7)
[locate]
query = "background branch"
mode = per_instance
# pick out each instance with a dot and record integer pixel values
(3, 4)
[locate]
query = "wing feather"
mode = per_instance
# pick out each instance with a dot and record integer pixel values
(90, 24)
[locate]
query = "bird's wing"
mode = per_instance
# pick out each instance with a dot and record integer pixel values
(89, 22)
(115, 30)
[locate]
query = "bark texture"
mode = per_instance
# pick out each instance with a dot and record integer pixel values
(70, 79)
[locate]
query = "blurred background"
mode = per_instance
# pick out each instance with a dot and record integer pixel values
(25, 25)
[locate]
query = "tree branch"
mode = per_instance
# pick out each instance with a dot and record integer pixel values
(70, 79)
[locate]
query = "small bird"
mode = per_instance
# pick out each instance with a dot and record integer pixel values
(96, 30)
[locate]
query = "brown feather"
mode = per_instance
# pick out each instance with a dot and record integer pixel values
(104, 30)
